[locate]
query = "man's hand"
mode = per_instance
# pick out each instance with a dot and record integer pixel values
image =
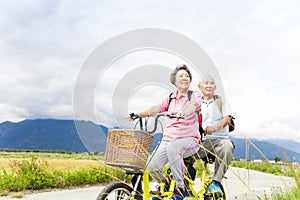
(180, 114)
(209, 130)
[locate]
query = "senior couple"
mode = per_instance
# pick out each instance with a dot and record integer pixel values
(181, 137)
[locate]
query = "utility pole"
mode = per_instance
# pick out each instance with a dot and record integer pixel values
(247, 150)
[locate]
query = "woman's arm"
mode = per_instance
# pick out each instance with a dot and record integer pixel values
(150, 111)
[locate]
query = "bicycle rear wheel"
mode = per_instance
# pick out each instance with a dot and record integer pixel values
(115, 191)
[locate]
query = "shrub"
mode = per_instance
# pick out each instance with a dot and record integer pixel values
(264, 166)
(27, 174)
(34, 174)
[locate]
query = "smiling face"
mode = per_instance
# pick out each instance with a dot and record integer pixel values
(182, 80)
(207, 86)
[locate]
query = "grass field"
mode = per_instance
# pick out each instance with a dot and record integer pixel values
(56, 164)
(56, 161)
(34, 171)
(21, 171)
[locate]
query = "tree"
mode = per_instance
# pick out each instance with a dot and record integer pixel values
(277, 159)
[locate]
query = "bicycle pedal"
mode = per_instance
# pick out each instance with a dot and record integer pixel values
(213, 195)
(190, 198)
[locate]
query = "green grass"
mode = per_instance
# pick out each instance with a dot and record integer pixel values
(18, 196)
(34, 174)
(31, 171)
(291, 194)
(267, 167)
(44, 155)
(264, 166)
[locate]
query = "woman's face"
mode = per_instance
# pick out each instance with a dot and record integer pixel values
(182, 80)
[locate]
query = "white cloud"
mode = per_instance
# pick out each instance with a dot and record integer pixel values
(254, 45)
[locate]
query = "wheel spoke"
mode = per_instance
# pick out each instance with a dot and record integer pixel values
(121, 195)
(115, 191)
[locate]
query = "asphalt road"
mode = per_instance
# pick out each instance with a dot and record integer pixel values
(240, 184)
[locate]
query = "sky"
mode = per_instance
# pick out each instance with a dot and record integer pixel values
(254, 45)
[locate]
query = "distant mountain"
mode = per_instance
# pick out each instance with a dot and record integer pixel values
(288, 144)
(52, 134)
(44, 134)
(261, 149)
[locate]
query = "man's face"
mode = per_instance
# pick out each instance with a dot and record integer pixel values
(207, 86)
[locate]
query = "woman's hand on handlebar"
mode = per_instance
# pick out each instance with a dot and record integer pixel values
(132, 116)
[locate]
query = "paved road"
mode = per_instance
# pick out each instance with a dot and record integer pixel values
(240, 184)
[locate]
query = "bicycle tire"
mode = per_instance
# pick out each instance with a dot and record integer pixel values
(115, 191)
(224, 194)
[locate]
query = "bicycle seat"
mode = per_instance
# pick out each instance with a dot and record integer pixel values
(209, 158)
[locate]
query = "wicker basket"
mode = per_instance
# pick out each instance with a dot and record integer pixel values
(127, 148)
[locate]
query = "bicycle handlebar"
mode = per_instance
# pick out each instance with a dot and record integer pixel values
(134, 116)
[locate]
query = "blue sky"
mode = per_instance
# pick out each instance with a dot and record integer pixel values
(255, 46)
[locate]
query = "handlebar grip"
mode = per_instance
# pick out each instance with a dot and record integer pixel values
(134, 116)
(174, 116)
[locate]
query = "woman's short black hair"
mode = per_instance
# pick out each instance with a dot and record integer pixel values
(179, 67)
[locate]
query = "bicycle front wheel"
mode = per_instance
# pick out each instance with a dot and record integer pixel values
(115, 191)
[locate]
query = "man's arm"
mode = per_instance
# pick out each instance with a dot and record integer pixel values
(195, 103)
(224, 122)
(191, 108)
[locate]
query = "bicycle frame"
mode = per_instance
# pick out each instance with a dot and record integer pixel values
(196, 195)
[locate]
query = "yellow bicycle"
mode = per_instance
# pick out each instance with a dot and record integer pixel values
(139, 188)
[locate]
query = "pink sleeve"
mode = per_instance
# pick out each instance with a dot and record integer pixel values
(164, 104)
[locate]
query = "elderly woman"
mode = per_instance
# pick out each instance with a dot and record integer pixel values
(181, 137)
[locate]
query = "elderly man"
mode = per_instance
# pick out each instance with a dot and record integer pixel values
(216, 114)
